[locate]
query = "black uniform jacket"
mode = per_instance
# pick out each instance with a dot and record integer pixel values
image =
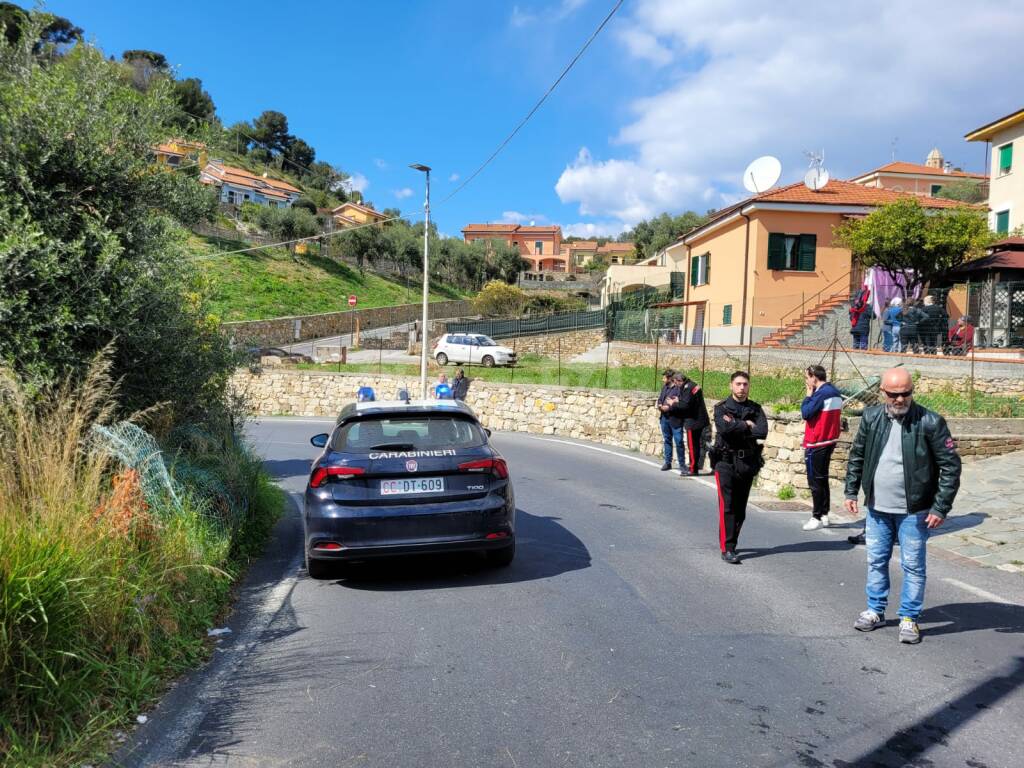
(736, 436)
(689, 411)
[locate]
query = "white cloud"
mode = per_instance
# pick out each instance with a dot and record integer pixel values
(357, 182)
(515, 217)
(743, 80)
(403, 193)
(589, 229)
(522, 18)
(381, 164)
(454, 177)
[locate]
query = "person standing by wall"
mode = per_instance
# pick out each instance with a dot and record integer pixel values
(860, 319)
(670, 435)
(691, 414)
(906, 462)
(736, 459)
(892, 319)
(442, 390)
(460, 385)
(821, 411)
(933, 326)
(910, 328)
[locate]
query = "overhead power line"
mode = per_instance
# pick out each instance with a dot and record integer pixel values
(536, 106)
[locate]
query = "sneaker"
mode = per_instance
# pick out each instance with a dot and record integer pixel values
(909, 631)
(824, 521)
(731, 557)
(868, 620)
(858, 539)
(813, 524)
(666, 466)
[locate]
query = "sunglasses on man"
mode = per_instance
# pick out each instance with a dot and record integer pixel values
(896, 395)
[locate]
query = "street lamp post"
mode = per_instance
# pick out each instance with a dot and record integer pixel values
(426, 278)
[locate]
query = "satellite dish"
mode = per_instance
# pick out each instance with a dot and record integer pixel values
(816, 178)
(762, 174)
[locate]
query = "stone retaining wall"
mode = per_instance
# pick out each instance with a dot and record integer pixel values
(286, 330)
(571, 343)
(611, 417)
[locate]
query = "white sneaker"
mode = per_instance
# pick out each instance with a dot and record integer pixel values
(824, 521)
(813, 524)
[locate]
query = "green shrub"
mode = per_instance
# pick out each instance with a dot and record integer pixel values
(787, 492)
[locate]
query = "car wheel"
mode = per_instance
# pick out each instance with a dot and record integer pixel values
(442, 358)
(501, 558)
(488, 361)
(318, 569)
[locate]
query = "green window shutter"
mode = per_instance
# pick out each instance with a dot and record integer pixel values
(936, 188)
(1005, 158)
(805, 256)
(694, 266)
(727, 314)
(1003, 223)
(707, 268)
(776, 251)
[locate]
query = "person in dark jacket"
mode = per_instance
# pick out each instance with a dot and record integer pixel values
(934, 325)
(821, 410)
(690, 413)
(860, 320)
(905, 461)
(736, 459)
(460, 385)
(670, 436)
(910, 328)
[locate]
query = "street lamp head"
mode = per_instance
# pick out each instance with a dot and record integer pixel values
(420, 167)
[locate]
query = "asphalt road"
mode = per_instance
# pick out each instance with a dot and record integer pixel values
(616, 638)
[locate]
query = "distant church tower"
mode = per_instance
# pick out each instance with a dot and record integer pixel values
(935, 159)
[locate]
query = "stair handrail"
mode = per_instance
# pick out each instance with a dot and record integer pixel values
(815, 300)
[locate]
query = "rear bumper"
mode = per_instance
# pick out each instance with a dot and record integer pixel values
(420, 548)
(363, 532)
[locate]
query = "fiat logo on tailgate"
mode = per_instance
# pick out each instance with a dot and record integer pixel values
(411, 465)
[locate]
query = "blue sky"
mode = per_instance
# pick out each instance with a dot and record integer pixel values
(662, 113)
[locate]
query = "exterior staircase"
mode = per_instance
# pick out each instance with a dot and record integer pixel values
(813, 325)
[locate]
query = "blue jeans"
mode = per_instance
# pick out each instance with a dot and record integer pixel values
(883, 530)
(671, 435)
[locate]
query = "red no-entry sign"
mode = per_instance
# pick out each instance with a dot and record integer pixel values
(352, 300)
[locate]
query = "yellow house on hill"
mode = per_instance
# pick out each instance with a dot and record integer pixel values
(352, 214)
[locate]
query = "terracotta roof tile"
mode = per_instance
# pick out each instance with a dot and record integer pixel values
(923, 170)
(845, 193)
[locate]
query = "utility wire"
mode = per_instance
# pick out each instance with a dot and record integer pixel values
(536, 106)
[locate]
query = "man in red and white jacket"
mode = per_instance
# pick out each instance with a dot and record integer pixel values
(821, 409)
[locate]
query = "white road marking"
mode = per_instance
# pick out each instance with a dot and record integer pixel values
(702, 480)
(977, 591)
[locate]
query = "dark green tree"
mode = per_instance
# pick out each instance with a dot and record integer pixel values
(271, 130)
(306, 204)
(195, 104)
(145, 67)
(300, 155)
(962, 190)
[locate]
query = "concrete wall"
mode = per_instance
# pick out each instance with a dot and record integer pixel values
(611, 417)
(285, 330)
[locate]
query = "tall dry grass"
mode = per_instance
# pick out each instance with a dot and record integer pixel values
(101, 596)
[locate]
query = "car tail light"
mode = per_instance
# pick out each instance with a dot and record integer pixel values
(320, 474)
(330, 546)
(498, 535)
(498, 467)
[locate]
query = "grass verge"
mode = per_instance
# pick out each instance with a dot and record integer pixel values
(107, 585)
(271, 283)
(779, 391)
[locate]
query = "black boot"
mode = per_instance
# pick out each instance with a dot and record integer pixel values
(731, 557)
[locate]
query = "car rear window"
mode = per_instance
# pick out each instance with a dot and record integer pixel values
(407, 433)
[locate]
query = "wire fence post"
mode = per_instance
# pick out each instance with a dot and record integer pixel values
(559, 342)
(703, 345)
(380, 354)
(750, 344)
(607, 353)
(657, 343)
(835, 343)
(970, 407)
(512, 368)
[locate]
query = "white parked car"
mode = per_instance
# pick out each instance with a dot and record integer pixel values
(471, 348)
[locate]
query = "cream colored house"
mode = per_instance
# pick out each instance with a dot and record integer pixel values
(760, 263)
(1006, 172)
(926, 180)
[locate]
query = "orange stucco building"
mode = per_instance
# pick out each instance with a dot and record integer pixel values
(756, 264)
(540, 246)
(918, 179)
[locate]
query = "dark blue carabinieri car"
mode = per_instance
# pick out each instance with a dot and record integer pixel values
(407, 477)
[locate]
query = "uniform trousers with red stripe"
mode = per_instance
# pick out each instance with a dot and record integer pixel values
(733, 492)
(693, 449)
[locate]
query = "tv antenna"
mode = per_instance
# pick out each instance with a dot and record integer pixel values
(762, 174)
(817, 175)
